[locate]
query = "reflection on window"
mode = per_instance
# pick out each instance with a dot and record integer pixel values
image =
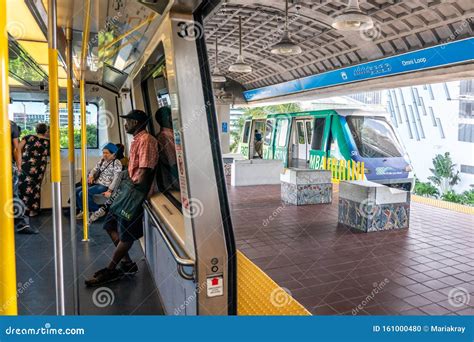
(466, 132)
(27, 114)
(268, 132)
(301, 139)
(467, 169)
(283, 131)
(309, 130)
(245, 138)
(374, 137)
(317, 142)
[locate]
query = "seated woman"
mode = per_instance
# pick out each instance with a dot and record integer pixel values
(120, 155)
(101, 178)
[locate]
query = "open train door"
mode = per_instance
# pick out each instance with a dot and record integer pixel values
(189, 242)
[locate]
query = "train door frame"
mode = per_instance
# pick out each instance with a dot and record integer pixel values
(268, 138)
(281, 145)
(294, 142)
(245, 143)
(209, 231)
(317, 154)
(253, 127)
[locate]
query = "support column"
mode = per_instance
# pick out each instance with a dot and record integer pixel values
(55, 157)
(8, 301)
(223, 117)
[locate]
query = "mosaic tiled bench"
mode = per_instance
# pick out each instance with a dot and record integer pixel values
(370, 207)
(227, 166)
(306, 186)
(228, 160)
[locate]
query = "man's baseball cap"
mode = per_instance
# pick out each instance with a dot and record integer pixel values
(136, 114)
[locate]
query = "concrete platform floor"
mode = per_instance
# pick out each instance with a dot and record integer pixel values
(425, 270)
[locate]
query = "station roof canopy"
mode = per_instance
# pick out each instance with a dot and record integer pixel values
(399, 27)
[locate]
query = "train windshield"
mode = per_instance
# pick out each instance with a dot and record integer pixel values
(374, 137)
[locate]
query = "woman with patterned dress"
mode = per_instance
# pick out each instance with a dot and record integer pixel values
(35, 154)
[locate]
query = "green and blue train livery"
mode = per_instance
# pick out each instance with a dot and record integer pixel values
(302, 139)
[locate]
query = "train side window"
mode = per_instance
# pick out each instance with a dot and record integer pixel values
(282, 133)
(246, 135)
(318, 134)
(268, 132)
(26, 114)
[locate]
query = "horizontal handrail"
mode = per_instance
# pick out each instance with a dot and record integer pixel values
(182, 262)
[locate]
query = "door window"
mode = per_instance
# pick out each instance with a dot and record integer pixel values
(246, 135)
(301, 137)
(318, 137)
(282, 133)
(309, 131)
(268, 132)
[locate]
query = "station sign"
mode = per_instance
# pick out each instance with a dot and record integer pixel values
(434, 57)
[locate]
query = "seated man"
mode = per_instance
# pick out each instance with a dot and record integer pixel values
(124, 231)
(101, 178)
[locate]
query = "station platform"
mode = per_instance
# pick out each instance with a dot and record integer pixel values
(331, 270)
(291, 260)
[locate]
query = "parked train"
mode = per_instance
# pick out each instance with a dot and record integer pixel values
(302, 140)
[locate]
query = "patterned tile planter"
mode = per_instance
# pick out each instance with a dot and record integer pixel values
(227, 169)
(370, 207)
(305, 186)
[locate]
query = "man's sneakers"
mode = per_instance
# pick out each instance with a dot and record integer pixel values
(97, 214)
(104, 276)
(128, 268)
(107, 275)
(27, 229)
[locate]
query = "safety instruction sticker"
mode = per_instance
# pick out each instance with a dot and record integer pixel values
(215, 286)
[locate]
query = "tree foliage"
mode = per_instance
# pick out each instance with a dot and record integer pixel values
(92, 138)
(444, 174)
(425, 189)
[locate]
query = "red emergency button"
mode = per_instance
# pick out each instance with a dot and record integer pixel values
(215, 281)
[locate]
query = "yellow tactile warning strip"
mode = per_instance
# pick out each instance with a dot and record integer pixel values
(444, 204)
(258, 294)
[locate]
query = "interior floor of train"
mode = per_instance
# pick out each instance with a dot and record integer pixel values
(330, 269)
(136, 295)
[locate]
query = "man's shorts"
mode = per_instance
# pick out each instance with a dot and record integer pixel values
(129, 231)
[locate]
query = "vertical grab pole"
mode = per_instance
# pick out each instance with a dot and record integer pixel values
(85, 208)
(82, 90)
(8, 301)
(55, 157)
(72, 167)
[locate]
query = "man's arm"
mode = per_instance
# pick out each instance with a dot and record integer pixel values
(143, 175)
(16, 153)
